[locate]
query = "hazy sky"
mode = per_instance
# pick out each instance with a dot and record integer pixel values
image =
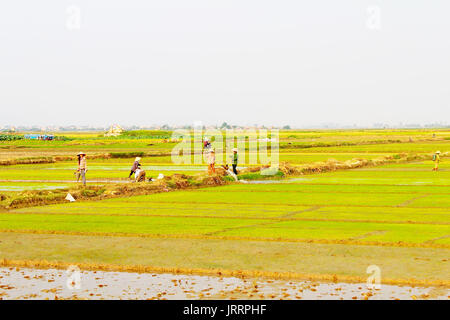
(244, 62)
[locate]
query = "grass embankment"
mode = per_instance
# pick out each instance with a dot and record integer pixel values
(29, 198)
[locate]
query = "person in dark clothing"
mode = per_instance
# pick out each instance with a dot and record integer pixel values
(206, 144)
(235, 160)
(136, 165)
(78, 173)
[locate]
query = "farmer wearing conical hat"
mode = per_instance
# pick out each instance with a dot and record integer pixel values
(211, 161)
(136, 166)
(82, 168)
(436, 159)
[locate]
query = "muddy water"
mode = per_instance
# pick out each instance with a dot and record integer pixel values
(127, 168)
(22, 283)
(124, 180)
(278, 181)
(23, 188)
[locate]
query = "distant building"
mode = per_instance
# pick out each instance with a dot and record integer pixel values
(114, 131)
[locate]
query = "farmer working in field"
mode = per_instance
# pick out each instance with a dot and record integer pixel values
(211, 162)
(77, 173)
(82, 168)
(235, 160)
(139, 175)
(136, 166)
(436, 159)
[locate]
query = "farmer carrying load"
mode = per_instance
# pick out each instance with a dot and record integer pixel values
(436, 160)
(82, 168)
(136, 166)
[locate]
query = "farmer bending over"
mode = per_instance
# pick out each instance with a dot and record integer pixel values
(139, 175)
(136, 166)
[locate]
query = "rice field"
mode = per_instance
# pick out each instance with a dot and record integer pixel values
(321, 227)
(327, 209)
(333, 206)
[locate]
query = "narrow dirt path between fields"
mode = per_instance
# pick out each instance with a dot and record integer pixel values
(368, 234)
(410, 201)
(273, 221)
(438, 238)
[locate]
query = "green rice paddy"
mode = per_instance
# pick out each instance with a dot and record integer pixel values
(332, 206)
(398, 207)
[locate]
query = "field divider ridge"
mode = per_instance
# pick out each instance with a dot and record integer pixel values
(284, 217)
(216, 237)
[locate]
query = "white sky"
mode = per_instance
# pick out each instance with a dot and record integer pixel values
(244, 62)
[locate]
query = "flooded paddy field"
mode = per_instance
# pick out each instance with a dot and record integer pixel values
(26, 186)
(24, 283)
(97, 170)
